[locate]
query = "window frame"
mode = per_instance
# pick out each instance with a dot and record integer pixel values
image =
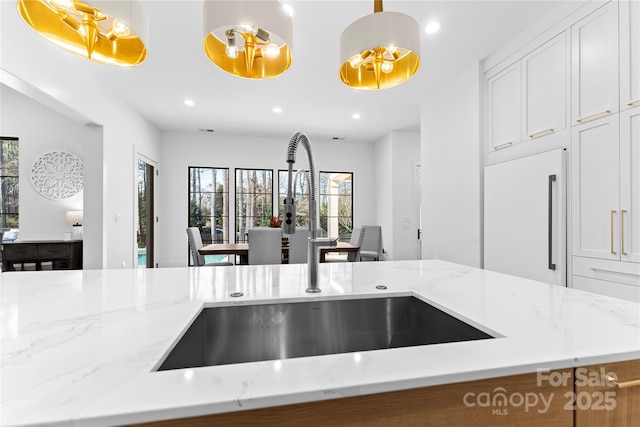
(240, 235)
(207, 237)
(4, 178)
(346, 235)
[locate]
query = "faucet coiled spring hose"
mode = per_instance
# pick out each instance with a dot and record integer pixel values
(292, 148)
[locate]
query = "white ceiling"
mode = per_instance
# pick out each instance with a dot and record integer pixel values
(312, 97)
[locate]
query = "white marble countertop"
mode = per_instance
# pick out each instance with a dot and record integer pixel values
(80, 347)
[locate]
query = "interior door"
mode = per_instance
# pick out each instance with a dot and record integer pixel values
(146, 215)
(417, 206)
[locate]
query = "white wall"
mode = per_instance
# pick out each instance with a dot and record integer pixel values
(40, 130)
(181, 150)
(71, 81)
(383, 152)
(395, 158)
(452, 172)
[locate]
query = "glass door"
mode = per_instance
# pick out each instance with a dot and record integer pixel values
(146, 215)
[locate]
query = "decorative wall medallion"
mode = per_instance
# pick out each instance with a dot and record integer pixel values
(57, 175)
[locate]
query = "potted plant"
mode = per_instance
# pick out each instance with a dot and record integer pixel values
(275, 222)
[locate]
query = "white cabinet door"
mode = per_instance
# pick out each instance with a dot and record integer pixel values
(595, 188)
(630, 185)
(544, 73)
(525, 217)
(629, 54)
(504, 107)
(594, 57)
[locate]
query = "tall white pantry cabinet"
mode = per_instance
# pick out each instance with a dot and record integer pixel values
(601, 105)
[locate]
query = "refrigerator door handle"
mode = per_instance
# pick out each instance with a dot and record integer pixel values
(552, 266)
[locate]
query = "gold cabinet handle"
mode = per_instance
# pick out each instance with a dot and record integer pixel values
(622, 384)
(622, 212)
(635, 101)
(612, 214)
(593, 115)
(533, 135)
(504, 144)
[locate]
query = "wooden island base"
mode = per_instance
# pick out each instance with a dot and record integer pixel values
(492, 402)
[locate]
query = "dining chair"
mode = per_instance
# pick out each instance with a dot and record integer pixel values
(299, 246)
(265, 245)
(357, 234)
(195, 243)
(371, 247)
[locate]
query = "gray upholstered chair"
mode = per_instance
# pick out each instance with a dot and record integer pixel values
(265, 245)
(357, 234)
(371, 247)
(299, 245)
(195, 243)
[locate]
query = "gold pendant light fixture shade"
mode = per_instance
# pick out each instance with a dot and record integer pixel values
(108, 32)
(251, 39)
(379, 51)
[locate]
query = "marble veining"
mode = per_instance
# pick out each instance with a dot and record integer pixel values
(81, 347)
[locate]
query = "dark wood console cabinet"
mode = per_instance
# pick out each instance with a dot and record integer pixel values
(42, 255)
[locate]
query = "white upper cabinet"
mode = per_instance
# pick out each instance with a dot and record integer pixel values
(606, 187)
(629, 54)
(528, 99)
(504, 107)
(630, 185)
(594, 58)
(545, 89)
(595, 191)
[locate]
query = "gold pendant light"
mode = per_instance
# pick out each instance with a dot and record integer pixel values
(379, 51)
(102, 31)
(249, 39)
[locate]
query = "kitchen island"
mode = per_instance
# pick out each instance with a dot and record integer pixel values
(82, 347)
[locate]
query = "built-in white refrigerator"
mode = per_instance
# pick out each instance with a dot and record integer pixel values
(525, 217)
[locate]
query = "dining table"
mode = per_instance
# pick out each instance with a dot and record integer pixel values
(241, 250)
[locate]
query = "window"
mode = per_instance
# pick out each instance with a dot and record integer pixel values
(209, 203)
(254, 200)
(336, 204)
(9, 186)
(301, 190)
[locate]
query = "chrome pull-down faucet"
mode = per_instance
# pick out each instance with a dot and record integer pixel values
(289, 209)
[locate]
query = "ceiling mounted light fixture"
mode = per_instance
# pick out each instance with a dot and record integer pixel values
(433, 27)
(249, 39)
(108, 32)
(379, 51)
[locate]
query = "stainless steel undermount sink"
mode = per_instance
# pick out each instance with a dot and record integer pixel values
(251, 333)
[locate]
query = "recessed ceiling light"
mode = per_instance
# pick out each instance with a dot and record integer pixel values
(276, 110)
(432, 27)
(356, 116)
(189, 102)
(289, 9)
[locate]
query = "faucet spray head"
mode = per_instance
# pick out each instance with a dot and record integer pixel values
(289, 203)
